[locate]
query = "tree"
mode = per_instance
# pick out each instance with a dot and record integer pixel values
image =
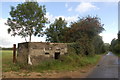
(107, 46)
(86, 31)
(99, 45)
(117, 48)
(90, 26)
(27, 19)
(81, 33)
(115, 44)
(56, 31)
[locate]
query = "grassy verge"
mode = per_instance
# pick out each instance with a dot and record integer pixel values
(69, 62)
(65, 63)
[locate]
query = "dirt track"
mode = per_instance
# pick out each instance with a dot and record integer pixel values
(82, 73)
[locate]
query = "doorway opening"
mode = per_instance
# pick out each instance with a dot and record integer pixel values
(57, 55)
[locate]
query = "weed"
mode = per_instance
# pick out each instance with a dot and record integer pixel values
(68, 62)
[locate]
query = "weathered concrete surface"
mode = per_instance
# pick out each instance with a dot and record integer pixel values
(35, 52)
(106, 68)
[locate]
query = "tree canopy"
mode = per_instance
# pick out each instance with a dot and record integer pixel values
(88, 26)
(56, 30)
(115, 45)
(27, 19)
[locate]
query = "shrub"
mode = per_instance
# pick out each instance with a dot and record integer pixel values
(81, 48)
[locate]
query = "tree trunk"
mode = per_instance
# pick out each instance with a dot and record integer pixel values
(30, 38)
(25, 39)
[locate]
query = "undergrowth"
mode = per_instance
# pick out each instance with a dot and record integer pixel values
(65, 63)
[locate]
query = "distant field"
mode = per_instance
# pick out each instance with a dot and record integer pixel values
(6, 59)
(7, 64)
(6, 55)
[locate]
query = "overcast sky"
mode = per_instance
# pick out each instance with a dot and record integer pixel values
(106, 11)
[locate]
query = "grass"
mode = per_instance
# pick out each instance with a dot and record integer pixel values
(7, 63)
(66, 63)
(6, 55)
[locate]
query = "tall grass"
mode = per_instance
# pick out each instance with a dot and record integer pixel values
(66, 62)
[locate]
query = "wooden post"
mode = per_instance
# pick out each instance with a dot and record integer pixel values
(14, 53)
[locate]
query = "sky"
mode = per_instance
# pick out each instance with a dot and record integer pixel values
(70, 11)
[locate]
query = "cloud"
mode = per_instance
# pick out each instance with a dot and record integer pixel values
(69, 19)
(6, 40)
(85, 7)
(107, 37)
(66, 5)
(70, 9)
(50, 17)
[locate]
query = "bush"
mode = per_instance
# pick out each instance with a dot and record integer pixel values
(81, 48)
(117, 48)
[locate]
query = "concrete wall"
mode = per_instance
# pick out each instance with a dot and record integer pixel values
(36, 52)
(23, 51)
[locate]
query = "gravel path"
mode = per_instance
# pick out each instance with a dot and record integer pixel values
(106, 68)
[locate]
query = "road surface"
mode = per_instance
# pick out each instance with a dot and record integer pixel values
(106, 68)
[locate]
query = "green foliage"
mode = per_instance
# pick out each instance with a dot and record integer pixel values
(99, 45)
(74, 48)
(7, 48)
(56, 31)
(27, 19)
(107, 46)
(115, 45)
(81, 47)
(117, 48)
(82, 33)
(68, 62)
(88, 27)
(85, 33)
